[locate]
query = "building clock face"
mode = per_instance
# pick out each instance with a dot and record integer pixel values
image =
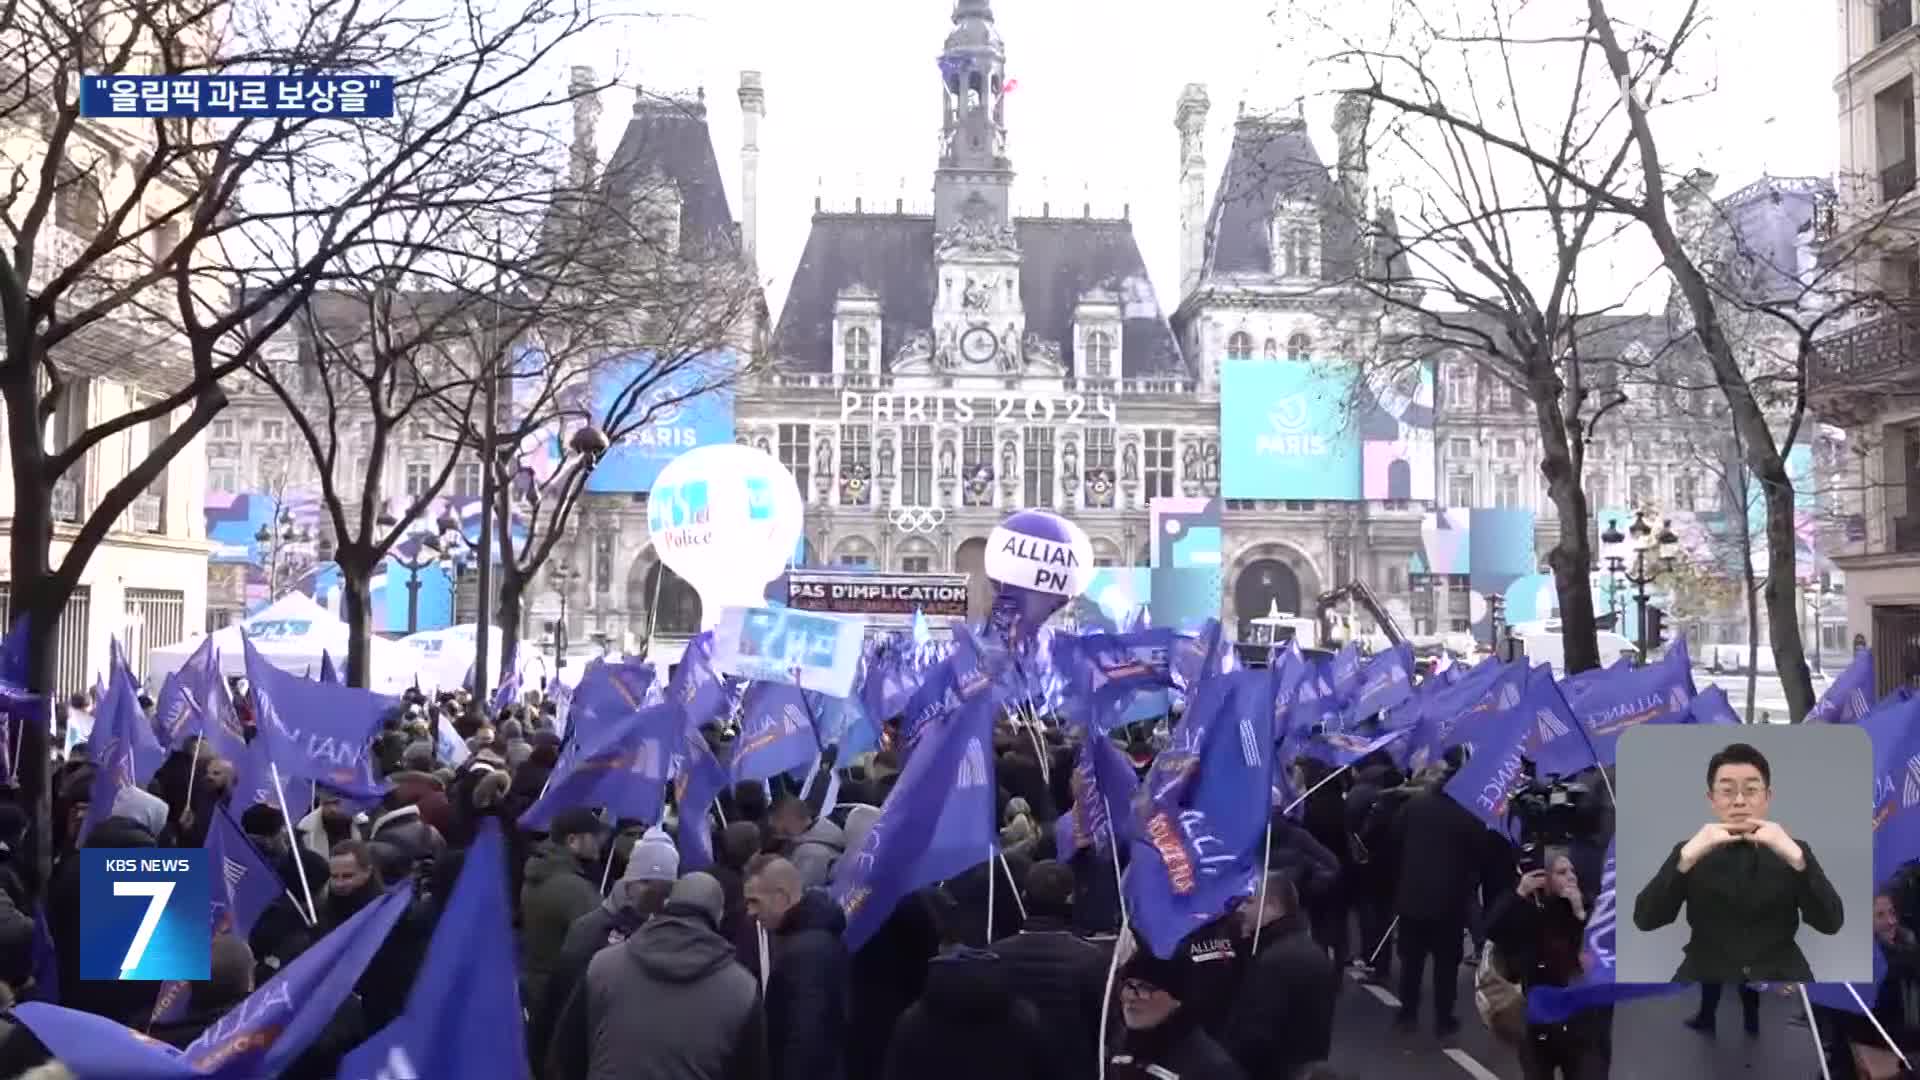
(978, 345)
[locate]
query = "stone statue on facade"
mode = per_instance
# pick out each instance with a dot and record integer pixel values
(1009, 459)
(1070, 465)
(823, 458)
(1129, 463)
(946, 460)
(886, 456)
(915, 356)
(946, 356)
(977, 296)
(1190, 460)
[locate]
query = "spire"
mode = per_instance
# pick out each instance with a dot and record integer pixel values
(973, 128)
(972, 9)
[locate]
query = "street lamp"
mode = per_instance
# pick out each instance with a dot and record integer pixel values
(447, 548)
(562, 576)
(283, 533)
(1662, 547)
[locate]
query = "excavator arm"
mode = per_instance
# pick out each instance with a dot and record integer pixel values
(1358, 592)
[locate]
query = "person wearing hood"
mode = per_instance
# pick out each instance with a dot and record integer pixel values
(668, 1003)
(641, 892)
(1060, 972)
(411, 816)
(1160, 1036)
(136, 821)
(812, 846)
(561, 885)
(807, 984)
(733, 846)
(1281, 1022)
(969, 1022)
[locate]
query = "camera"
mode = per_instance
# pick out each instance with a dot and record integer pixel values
(1555, 810)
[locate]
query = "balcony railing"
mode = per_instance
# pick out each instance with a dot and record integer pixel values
(66, 500)
(1879, 348)
(1892, 17)
(1896, 179)
(145, 514)
(860, 380)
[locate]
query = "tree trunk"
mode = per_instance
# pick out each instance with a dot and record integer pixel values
(356, 604)
(1572, 557)
(1753, 640)
(35, 593)
(512, 593)
(1783, 606)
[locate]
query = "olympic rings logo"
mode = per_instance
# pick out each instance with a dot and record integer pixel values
(917, 519)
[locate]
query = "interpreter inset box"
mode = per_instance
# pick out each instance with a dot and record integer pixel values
(1744, 853)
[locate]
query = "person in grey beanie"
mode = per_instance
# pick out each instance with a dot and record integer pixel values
(641, 891)
(686, 1009)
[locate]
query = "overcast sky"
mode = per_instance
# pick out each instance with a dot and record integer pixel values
(853, 100)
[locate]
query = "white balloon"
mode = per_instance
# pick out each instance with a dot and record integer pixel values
(726, 518)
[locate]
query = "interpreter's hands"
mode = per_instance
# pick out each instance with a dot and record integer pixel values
(1775, 839)
(1711, 835)
(1531, 882)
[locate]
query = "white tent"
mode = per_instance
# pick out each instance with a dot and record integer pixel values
(291, 634)
(444, 657)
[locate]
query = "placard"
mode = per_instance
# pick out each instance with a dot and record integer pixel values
(800, 648)
(938, 595)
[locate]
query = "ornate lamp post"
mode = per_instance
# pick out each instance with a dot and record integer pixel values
(1653, 555)
(447, 548)
(276, 540)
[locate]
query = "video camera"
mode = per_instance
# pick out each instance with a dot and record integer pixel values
(1554, 811)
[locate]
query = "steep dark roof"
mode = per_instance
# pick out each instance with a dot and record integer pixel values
(670, 138)
(892, 254)
(1270, 158)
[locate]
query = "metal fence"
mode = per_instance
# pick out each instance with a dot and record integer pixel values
(1896, 647)
(155, 618)
(70, 637)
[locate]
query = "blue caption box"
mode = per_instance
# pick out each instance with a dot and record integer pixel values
(236, 96)
(145, 914)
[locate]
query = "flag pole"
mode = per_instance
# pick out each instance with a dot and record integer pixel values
(1113, 968)
(1877, 1027)
(1266, 869)
(1813, 1028)
(992, 879)
(293, 838)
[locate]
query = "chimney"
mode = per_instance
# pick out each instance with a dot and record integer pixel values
(1350, 131)
(753, 106)
(585, 157)
(1190, 117)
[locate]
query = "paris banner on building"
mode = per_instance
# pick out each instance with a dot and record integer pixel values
(940, 596)
(1296, 430)
(695, 408)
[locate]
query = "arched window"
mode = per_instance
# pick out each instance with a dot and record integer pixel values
(859, 349)
(1299, 253)
(1299, 348)
(1240, 346)
(1099, 356)
(1640, 490)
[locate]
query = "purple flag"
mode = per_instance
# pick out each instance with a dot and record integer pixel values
(1850, 696)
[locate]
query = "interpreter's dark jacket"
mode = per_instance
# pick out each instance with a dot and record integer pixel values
(1744, 905)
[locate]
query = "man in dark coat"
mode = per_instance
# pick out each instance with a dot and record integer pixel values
(558, 890)
(1060, 972)
(1443, 860)
(807, 988)
(669, 1003)
(1160, 1035)
(971, 1021)
(1282, 1018)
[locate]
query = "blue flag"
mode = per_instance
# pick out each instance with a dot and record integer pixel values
(699, 780)
(46, 962)
(1555, 741)
(922, 633)
(1596, 985)
(1537, 727)
(1660, 693)
(696, 688)
(620, 765)
(315, 731)
(1850, 696)
(244, 886)
(939, 820)
(1201, 656)
(1204, 808)
(776, 732)
(1342, 748)
(1712, 707)
(509, 689)
(1346, 669)
(1102, 810)
(1894, 727)
(1447, 717)
(843, 722)
(1386, 682)
(19, 707)
(261, 1036)
(1574, 687)
(463, 1012)
(327, 674)
(122, 745)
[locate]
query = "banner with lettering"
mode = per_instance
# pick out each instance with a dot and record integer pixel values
(784, 645)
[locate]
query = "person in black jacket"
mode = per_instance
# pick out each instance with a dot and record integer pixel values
(1282, 1018)
(1160, 1035)
(136, 821)
(1746, 884)
(1540, 929)
(969, 1023)
(807, 988)
(1371, 805)
(1443, 860)
(1324, 816)
(1060, 972)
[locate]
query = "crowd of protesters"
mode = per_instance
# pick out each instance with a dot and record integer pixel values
(630, 968)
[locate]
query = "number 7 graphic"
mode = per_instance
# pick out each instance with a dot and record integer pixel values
(157, 894)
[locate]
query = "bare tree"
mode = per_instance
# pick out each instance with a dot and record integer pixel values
(628, 319)
(1498, 241)
(191, 243)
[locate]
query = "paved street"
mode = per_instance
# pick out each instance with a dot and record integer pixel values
(1768, 696)
(1649, 1042)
